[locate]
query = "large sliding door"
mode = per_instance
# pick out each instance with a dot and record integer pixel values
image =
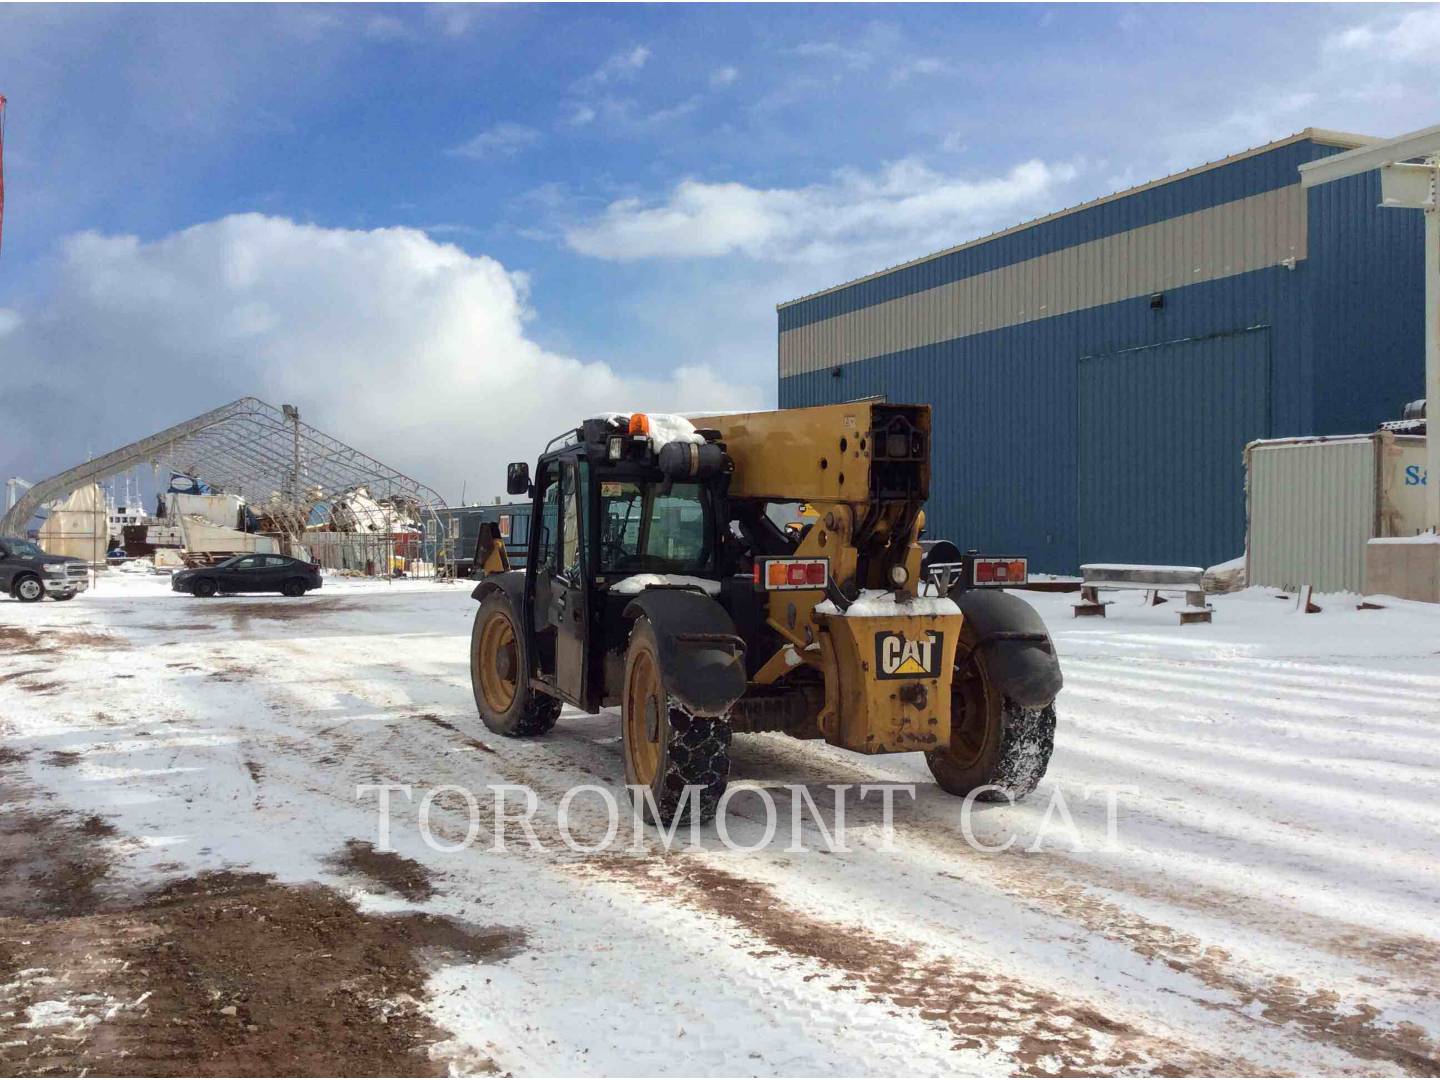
(1162, 431)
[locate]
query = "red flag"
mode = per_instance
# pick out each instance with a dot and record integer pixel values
(2, 168)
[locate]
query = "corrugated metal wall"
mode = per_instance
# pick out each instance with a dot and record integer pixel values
(1312, 508)
(1163, 431)
(1367, 278)
(1007, 410)
(1011, 449)
(1218, 242)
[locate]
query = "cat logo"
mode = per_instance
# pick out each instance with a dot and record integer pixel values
(897, 657)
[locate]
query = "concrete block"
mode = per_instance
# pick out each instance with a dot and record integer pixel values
(1407, 567)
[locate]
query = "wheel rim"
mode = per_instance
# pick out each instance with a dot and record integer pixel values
(643, 703)
(30, 589)
(969, 716)
(499, 663)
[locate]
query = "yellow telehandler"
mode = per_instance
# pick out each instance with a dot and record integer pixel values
(760, 572)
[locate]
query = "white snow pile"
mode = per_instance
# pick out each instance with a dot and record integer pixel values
(664, 427)
(1418, 538)
(638, 582)
(878, 603)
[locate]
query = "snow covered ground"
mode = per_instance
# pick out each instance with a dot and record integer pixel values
(1269, 905)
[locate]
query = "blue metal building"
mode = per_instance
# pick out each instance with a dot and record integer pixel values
(1096, 374)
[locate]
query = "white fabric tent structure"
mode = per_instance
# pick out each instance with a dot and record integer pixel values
(79, 526)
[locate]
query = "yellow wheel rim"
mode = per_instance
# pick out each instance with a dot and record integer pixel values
(970, 718)
(499, 662)
(644, 718)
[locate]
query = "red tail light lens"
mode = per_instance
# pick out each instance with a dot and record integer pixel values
(993, 571)
(792, 573)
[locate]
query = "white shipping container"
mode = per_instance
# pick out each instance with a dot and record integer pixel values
(1313, 503)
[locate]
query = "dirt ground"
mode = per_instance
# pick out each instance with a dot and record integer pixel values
(222, 974)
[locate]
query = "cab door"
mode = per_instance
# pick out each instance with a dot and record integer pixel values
(569, 592)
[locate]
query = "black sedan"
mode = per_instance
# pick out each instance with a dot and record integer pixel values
(248, 574)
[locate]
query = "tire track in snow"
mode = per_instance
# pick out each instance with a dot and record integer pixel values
(984, 1011)
(1049, 884)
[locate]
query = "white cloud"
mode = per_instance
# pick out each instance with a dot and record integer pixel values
(834, 52)
(724, 76)
(622, 65)
(410, 349)
(906, 207)
(1413, 36)
(385, 28)
(502, 140)
(921, 65)
(454, 20)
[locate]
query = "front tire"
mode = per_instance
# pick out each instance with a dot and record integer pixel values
(995, 743)
(500, 674)
(203, 588)
(29, 590)
(666, 750)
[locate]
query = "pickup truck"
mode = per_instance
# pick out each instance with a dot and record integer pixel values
(28, 574)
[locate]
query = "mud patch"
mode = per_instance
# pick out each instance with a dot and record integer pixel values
(45, 689)
(256, 772)
(18, 641)
(88, 639)
(50, 866)
(11, 756)
(97, 827)
(232, 672)
(445, 725)
(390, 870)
(222, 975)
(13, 675)
(234, 975)
(287, 609)
(62, 759)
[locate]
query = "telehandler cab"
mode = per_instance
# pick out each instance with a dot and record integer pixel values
(661, 577)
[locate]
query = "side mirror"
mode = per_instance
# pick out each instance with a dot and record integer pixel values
(517, 478)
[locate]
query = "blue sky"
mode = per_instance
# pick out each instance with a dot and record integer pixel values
(605, 198)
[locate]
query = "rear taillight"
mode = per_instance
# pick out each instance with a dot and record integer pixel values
(989, 571)
(792, 573)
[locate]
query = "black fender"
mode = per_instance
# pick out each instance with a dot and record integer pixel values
(1011, 640)
(702, 658)
(511, 583)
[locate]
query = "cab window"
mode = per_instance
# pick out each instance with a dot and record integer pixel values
(645, 528)
(573, 489)
(549, 519)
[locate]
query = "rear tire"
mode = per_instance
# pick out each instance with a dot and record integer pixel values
(29, 589)
(995, 743)
(500, 674)
(666, 749)
(203, 588)
(293, 588)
